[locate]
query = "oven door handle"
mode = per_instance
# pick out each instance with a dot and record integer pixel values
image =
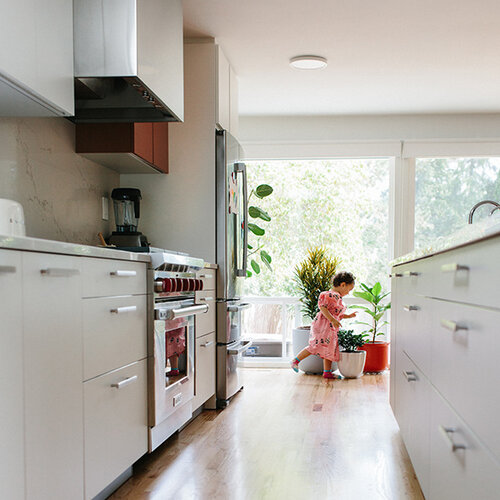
(187, 311)
(239, 307)
(242, 348)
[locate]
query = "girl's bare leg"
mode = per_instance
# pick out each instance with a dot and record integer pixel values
(327, 365)
(303, 354)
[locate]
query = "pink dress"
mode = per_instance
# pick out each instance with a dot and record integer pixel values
(323, 340)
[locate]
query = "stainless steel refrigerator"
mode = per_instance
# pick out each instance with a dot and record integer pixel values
(232, 235)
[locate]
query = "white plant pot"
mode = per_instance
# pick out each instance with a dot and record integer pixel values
(351, 364)
(300, 339)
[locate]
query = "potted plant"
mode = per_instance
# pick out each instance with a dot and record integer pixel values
(313, 275)
(377, 352)
(352, 361)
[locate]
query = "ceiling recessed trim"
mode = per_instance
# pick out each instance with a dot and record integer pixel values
(308, 62)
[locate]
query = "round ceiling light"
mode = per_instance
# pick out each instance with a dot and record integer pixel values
(308, 62)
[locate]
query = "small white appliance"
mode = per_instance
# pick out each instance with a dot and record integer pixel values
(11, 218)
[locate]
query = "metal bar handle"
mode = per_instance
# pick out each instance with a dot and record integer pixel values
(452, 325)
(59, 272)
(410, 376)
(207, 276)
(396, 275)
(408, 274)
(243, 347)
(206, 299)
(124, 309)
(124, 383)
(123, 274)
(239, 308)
(207, 344)
(446, 433)
(241, 167)
(411, 308)
(7, 269)
(453, 267)
(187, 311)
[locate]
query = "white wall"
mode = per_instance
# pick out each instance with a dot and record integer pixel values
(369, 135)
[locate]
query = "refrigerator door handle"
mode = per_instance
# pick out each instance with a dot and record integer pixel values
(239, 307)
(241, 167)
(242, 348)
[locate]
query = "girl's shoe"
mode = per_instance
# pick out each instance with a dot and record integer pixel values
(331, 375)
(172, 373)
(295, 365)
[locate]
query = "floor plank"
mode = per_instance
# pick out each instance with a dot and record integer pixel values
(285, 436)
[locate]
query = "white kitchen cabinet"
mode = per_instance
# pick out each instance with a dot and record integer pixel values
(53, 399)
(116, 434)
(36, 58)
(445, 318)
(234, 109)
(223, 90)
(11, 377)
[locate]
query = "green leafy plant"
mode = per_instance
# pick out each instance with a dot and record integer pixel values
(376, 309)
(350, 342)
(313, 276)
(256, 249)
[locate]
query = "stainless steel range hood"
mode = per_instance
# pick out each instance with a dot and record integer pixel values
(128, 61)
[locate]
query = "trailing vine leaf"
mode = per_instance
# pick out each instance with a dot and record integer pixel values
(249, 274)
(255, 266)
(263, 190)
(266, 258)
(258, 213)
(250, 247)
(258, 231)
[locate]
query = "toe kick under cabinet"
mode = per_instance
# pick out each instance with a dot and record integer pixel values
(444, 378)
(72, 373)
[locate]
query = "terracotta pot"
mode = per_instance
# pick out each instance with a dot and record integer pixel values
(377, 356)
(351, 364)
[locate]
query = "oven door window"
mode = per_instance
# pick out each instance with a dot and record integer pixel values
(176, 334)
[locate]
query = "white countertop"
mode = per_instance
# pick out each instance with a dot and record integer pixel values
(61, 247)
(472, 233)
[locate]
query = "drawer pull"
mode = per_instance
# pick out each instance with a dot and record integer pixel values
(206, 299)
(207, 276)
(125, 309)
(123, 274)
(407, 274)
(445, 432)
(7, 269)
(410, 376)
(453, 267)
(395, 275)
(207, 344)
(451, 325)
(411, 308)
(124, 383)
(57, 272)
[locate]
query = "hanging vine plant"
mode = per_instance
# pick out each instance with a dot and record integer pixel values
(256, 250)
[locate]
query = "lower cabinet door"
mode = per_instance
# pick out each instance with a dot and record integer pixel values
(460, 466)
(204, 369)
(116, 432)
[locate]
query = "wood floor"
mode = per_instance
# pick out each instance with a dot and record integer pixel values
(285, 436)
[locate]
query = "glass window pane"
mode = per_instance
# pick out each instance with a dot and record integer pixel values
(445, 191)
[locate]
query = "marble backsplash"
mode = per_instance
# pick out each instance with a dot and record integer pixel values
(59, 190)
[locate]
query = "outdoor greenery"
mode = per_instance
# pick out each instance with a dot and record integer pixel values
(348, 341)
(445, 191)
(313, 276)
(376, 309)
(255, 243)
(341, 205)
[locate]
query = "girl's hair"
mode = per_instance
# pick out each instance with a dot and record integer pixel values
(343, 277)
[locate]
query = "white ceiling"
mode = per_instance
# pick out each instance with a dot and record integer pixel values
(384, 56)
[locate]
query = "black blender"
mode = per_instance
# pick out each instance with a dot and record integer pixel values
(126, 205)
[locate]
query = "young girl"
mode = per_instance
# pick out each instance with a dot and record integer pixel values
(323, 340)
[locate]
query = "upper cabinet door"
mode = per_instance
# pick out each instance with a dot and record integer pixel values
(233, 103)
(160, 51)
(223, 97)
(36, 58)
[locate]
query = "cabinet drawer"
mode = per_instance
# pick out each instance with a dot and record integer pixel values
(105, 277)
(457, 474)
(470, 275)
(115, 422)
(205, 323)
(412, 413)
(415, 277)
(204, 369)
(207, 275)
(114, 333)
(464, 365)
